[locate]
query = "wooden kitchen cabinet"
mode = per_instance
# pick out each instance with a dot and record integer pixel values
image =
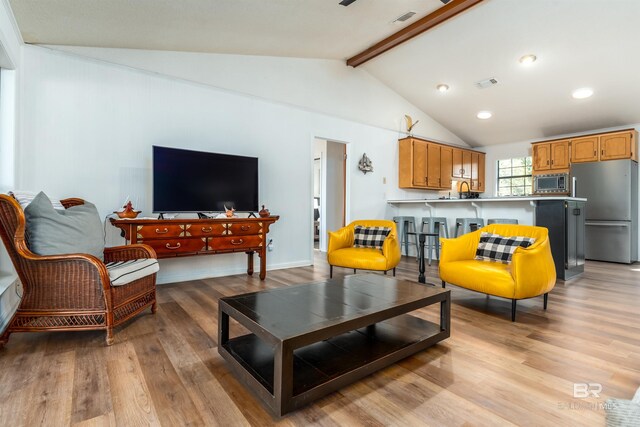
(585, 149)
(413, 163)
(477, 171)
(560, 155)
(456, 163)
(431, 165)
(541, 157)
(466, 164)
(617, 146)
(446, 166)
(551, 155)
(555, 155)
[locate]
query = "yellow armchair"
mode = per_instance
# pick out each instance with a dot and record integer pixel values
(341, 252)
(530, 274)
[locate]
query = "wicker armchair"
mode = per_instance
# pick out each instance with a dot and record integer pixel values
(73, 291)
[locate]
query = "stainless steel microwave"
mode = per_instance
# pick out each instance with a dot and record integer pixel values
(554, 183)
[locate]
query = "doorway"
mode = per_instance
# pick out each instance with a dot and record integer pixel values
(329, 189)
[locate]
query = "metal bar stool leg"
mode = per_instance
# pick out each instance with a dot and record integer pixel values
(405, 232)
(436, 230)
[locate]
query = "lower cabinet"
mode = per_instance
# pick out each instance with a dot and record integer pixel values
(565, 220)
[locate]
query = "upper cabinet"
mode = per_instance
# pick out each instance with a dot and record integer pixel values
(446, 166)
(430, 165)
(585, 149)
(477, 171)
(551, 155)
(413, 164)
(556, 155)
(614, 146)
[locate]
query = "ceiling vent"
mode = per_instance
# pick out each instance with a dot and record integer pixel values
(483, 84)
(404, 17)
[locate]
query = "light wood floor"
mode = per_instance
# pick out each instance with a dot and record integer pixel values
(165, 369)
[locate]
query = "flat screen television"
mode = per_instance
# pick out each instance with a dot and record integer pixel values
(196, 181)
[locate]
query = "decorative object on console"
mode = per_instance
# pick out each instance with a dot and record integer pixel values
(410, 123)
(230, 213)
(365, 164)
(128, 211)
(264, 213)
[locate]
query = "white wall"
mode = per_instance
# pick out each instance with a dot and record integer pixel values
(10, 38)
(10, 62)
(320, 85)
(91, 125)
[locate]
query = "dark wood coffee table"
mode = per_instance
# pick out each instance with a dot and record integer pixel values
(309, 340)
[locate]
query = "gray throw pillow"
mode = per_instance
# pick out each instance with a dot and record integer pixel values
(55, 232)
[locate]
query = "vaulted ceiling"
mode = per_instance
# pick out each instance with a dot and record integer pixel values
(578, 43)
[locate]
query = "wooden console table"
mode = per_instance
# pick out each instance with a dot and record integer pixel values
(188, 237)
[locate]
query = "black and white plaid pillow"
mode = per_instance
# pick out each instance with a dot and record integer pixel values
(494, 247)
(369, 237)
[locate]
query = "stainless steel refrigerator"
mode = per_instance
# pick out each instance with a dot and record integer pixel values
(611, 190)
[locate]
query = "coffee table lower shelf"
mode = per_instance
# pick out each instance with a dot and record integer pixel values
(328, 365)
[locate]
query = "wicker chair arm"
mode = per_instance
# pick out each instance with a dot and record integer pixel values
(124, 253)
(91, 265)
(77, 281)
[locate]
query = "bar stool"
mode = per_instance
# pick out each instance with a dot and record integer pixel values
(502, 221)
(437, 225)
(405, 225)
(467, 225)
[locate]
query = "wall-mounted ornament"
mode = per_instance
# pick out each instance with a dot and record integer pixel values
(365, 164)
(410, 123)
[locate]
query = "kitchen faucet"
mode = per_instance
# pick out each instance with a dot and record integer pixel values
(468, 190)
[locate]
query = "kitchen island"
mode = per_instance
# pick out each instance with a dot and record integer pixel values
(566, 231)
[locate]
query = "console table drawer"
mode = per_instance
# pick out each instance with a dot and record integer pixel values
(159, 231)
(244, 228)
(177, 246)
(235, 242)
(205, 230)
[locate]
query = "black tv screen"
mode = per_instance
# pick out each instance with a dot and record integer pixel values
(196, 181)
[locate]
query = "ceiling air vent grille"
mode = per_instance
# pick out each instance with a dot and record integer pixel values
(404, 17)
(483, 84)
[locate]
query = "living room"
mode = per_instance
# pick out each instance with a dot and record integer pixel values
(86, 91)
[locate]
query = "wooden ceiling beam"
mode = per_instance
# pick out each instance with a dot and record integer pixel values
(448, 11)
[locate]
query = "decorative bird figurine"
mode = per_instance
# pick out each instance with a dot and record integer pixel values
(410, 124)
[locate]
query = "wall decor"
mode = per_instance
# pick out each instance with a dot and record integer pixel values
(365, 164)
(410, 123)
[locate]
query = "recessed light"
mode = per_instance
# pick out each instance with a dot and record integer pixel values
(442, 87)
(484, 115)
(528, 59)
(583, 92)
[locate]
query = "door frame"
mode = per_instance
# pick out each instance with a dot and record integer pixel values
(346, 186)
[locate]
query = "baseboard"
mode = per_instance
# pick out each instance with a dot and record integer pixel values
(207, 274)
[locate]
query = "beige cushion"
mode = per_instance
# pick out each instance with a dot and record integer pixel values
(123, 272)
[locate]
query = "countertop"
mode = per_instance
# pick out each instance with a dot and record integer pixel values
(484, 200)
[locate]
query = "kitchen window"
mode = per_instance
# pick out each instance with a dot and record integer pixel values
(514, 177)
